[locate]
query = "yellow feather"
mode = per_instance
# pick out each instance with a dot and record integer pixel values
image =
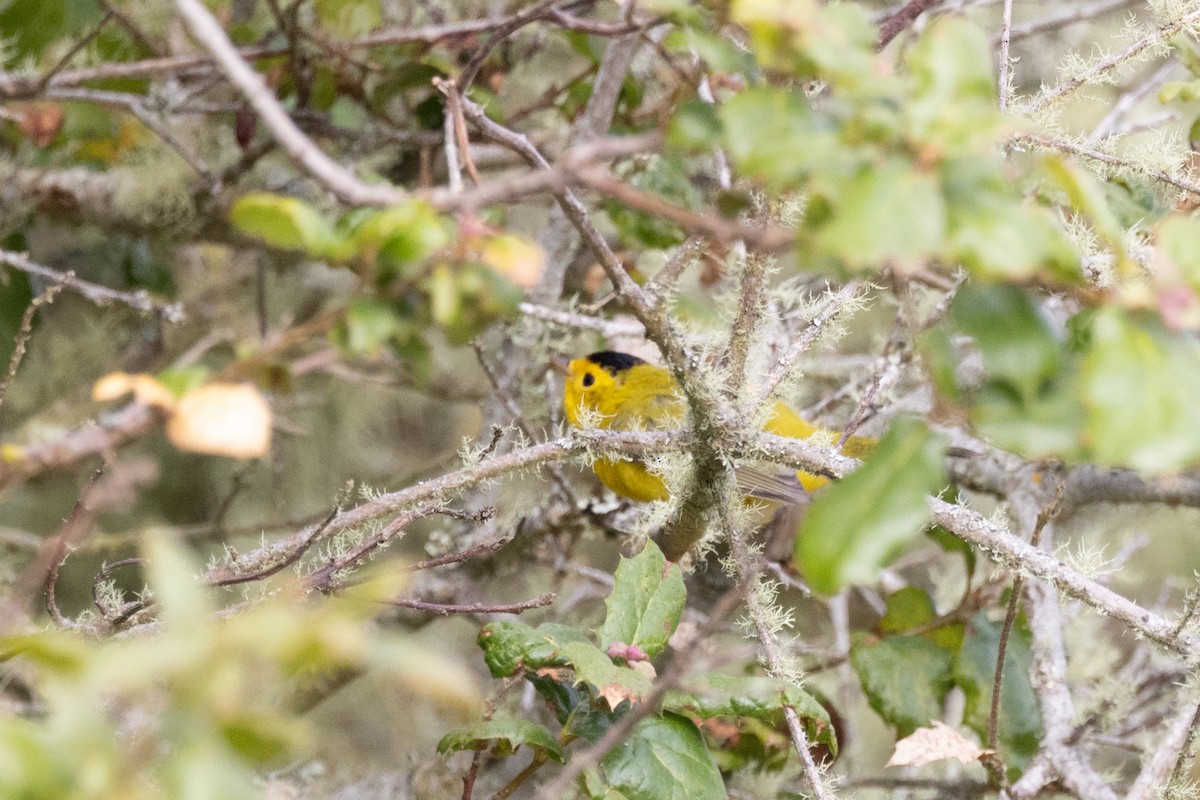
(623, 393)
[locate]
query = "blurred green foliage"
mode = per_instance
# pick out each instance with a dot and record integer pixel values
(196, 706)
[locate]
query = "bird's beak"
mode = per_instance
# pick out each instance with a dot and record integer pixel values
(560, 363)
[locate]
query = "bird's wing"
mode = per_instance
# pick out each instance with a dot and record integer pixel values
(782, 487)
(659, 411)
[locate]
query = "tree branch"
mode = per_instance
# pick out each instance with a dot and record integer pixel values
(302, 150)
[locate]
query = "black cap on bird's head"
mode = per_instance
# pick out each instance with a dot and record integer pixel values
(614, 362)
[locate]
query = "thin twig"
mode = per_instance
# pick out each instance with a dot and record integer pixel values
(746, 321)
(766, 238)
(24, 331)
(539, 760)
(472, 774)
(135, 105)
(449, 135)
(508, 189)
(818, 324)
(322, 578)
(1188, 186)
(513, 408)
(906, 16)
(444, 609)
(1005, 60)
(139, 300)
(1051, 95)
(609, 328)
(489, 546)
(81, 43)
(663, 282)
(16, 86)
(1185, 751)
(560, 242)
(225, 575)
(76, 525)
(1130, 98)
(303, 151)
(994, 764)
(499, 34)
(460, 132)
(132, 29)
(795, 727)
(977, 529)
(1071, 15)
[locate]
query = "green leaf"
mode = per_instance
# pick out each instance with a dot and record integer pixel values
(179, 381)
(856, 526)
(952, 62)
(695, 126)
(616, 684)
(1184, 91)
(912, 607)
(773, 135)
(700, 40)
(716, 695)
(172, 575)
(466, 300)
(664, 758)
(258, 737)
(841, 45)
(996, 234)
(664, 176)
(575, 707)
(55, 650)
(1020, 722)
(286, 223)
(906, 609)
(1140, 384)
(512, 647)
(1028, 400)
(398, 237)
(1017, 344)
(503, 736)
(952, 109)
(646, 601)
(889, 211)
(905, 678)
(1084, 193)
(1045, 425)
(32, 25)
(349, 18)
(370, 325)
(1179, 239)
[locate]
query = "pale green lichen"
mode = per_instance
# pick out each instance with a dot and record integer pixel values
(156, 194)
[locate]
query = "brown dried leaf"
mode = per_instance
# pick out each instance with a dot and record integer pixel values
(935, 744)
(41, 122)
(615, 694)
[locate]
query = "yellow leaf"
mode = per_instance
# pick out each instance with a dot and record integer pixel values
(222, 419)
(935, 744)
(518, 259)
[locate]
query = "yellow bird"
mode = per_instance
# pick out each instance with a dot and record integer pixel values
(626, 393)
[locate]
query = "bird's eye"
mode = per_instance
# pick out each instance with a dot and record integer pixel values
(588, 379)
